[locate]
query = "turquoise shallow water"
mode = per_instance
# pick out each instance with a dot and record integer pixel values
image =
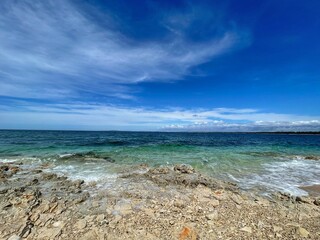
(266, 162)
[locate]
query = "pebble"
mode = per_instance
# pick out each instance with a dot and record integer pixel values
(81, 224)
(14, 237)
(246, 229)
(302, 232)
(212, 216)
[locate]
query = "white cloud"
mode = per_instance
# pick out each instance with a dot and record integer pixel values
(111, 117)
(48, 46)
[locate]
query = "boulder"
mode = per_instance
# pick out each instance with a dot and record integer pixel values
(184, 168)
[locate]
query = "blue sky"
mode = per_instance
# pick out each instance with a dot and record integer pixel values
(160, 65)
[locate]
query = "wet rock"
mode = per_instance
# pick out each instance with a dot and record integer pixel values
(78, 183)
(302, 232)
(303, 199)
(184, 168)
(83, 197)
(312, 158)
(4, 168)
(3, 190)
(159, 170)
(49, 176)
(123, 207)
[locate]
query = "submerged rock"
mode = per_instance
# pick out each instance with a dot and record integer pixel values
(312, 158)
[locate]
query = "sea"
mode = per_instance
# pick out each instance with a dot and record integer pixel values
(263, 162)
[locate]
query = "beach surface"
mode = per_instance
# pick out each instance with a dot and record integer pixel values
(142, 202)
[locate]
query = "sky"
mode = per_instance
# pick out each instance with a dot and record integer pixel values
(168, 65)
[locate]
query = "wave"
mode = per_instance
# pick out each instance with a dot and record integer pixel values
(284, 176)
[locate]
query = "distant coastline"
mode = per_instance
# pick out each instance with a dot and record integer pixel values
(272, 132)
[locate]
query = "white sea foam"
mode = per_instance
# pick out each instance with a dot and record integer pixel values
(88, 173)
(66, 155)
(285, 176)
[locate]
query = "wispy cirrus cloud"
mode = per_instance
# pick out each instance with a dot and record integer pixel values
(54, 49)
(112, 117)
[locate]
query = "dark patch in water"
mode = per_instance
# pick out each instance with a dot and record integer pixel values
(87, 156)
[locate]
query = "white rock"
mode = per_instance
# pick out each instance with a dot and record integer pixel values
(246, 229)
(14, 237)
(302, 232)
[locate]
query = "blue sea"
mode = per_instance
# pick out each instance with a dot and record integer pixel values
(261, 162)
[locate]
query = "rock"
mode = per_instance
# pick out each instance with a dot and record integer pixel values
(236, 198)
(246, 229)
(187, 233)
(184, 168)
(82, 198)
(179, 203)
(215, 202)
(51, 233)
(277, 229)
(14, 237)
(91, 235)
(212, 215)
(311, 158)
(317, 201)
(81, 224)
(302, 232)
(263, 202)
(123, 207)
(100, 217)
(78, 183)
(57, 224)
(303, 199)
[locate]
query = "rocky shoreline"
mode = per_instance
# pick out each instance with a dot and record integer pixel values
(146, 203)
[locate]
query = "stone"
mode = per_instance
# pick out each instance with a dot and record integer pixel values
(303, 199)
(236, 198)
(212, 215)
(179, 203)
(14, 237)
(311, 158)
(184, 168)
(277, 229)
(263, 202)
(215, 202)
(81, 224)
(317, 201)
(100, 217)
(91, 235)
(246, 229)
(123, 207)
(57, 224)
(302, 232)
(51, 233)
